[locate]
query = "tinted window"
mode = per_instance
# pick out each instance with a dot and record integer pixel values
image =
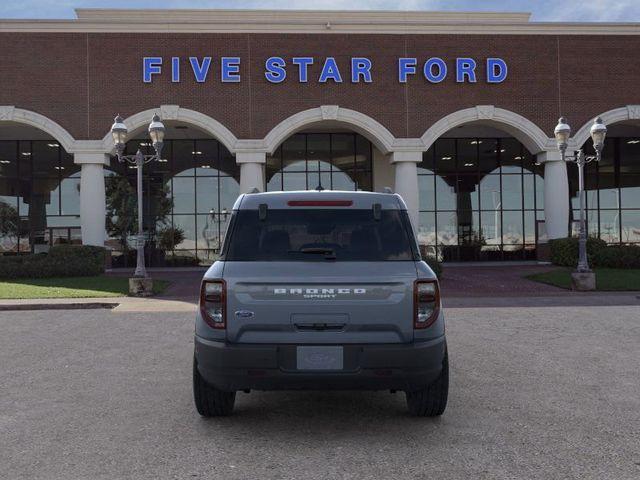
(318, 235)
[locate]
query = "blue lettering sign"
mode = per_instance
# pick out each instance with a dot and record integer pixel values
(151, 66)
(496, 70)
(406, 66)
(360, 67)
(330, 71)
(175, 69)
(428, 70)
(200, 71)
(230, 69)
(434, 69)
(465, 67)
(303, 66)
(275, 69)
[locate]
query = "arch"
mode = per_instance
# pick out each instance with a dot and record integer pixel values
(629, 112)
(177, 113)
(382, 138)
(527, 132)
(9, 113)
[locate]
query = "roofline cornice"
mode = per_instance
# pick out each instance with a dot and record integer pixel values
(311, 22)
(286, 15)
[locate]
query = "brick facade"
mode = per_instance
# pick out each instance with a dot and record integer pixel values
(80, 80)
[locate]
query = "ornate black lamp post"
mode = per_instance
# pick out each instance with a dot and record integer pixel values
(156, 132)
(584, 279)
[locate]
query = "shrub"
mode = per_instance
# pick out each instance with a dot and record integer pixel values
(61, 261)
(618, 256)
(181, 261)
(564, 251)
(169, 237)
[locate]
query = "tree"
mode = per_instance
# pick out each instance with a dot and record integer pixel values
(122, 209)
(9, 221)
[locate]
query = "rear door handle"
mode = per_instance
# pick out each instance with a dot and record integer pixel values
(320, 327)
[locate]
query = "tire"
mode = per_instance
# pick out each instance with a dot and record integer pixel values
(432, 400)
(211, 402)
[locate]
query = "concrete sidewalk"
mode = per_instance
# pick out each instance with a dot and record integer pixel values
(118, 304)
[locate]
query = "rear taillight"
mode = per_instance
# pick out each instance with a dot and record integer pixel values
(426, 299)
(213, 303)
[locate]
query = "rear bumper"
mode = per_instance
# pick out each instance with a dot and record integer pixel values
(232, 367)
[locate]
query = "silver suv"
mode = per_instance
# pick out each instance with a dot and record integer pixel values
(320, 290)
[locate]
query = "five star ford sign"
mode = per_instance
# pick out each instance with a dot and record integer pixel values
(361, 69)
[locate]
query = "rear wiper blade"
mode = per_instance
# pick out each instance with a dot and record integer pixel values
(327, 252)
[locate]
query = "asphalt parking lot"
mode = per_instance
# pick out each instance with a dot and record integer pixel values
(550, 392)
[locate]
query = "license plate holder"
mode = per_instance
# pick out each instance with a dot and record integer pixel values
(319, 358)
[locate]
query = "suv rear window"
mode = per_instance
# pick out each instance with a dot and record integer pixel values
(319, 235)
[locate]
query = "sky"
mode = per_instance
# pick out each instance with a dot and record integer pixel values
(542, 10)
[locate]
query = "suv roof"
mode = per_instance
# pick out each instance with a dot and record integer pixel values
(251, 201)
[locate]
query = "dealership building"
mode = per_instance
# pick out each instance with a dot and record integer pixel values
(454, 111)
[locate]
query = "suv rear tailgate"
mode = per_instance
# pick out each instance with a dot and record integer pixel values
(320, 302)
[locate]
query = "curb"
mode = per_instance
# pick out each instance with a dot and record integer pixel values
(57, 306)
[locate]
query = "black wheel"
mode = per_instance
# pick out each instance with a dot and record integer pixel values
(211, 402)
(432, 400)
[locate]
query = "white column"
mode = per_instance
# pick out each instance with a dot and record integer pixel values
(92, 197)
(556, 194)
(383, 171)
(251, 170)
(406, 166)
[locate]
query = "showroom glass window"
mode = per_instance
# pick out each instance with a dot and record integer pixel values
(201, 178)
(39, 196)
(612, 191)
(480, 199)
(334, 161)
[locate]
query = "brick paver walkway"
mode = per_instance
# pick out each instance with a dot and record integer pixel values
(456, 281)
(504, 280)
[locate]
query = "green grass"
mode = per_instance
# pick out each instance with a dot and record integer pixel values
(71, 287)
(607, 279)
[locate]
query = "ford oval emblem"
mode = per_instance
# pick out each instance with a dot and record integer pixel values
(244, 314)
